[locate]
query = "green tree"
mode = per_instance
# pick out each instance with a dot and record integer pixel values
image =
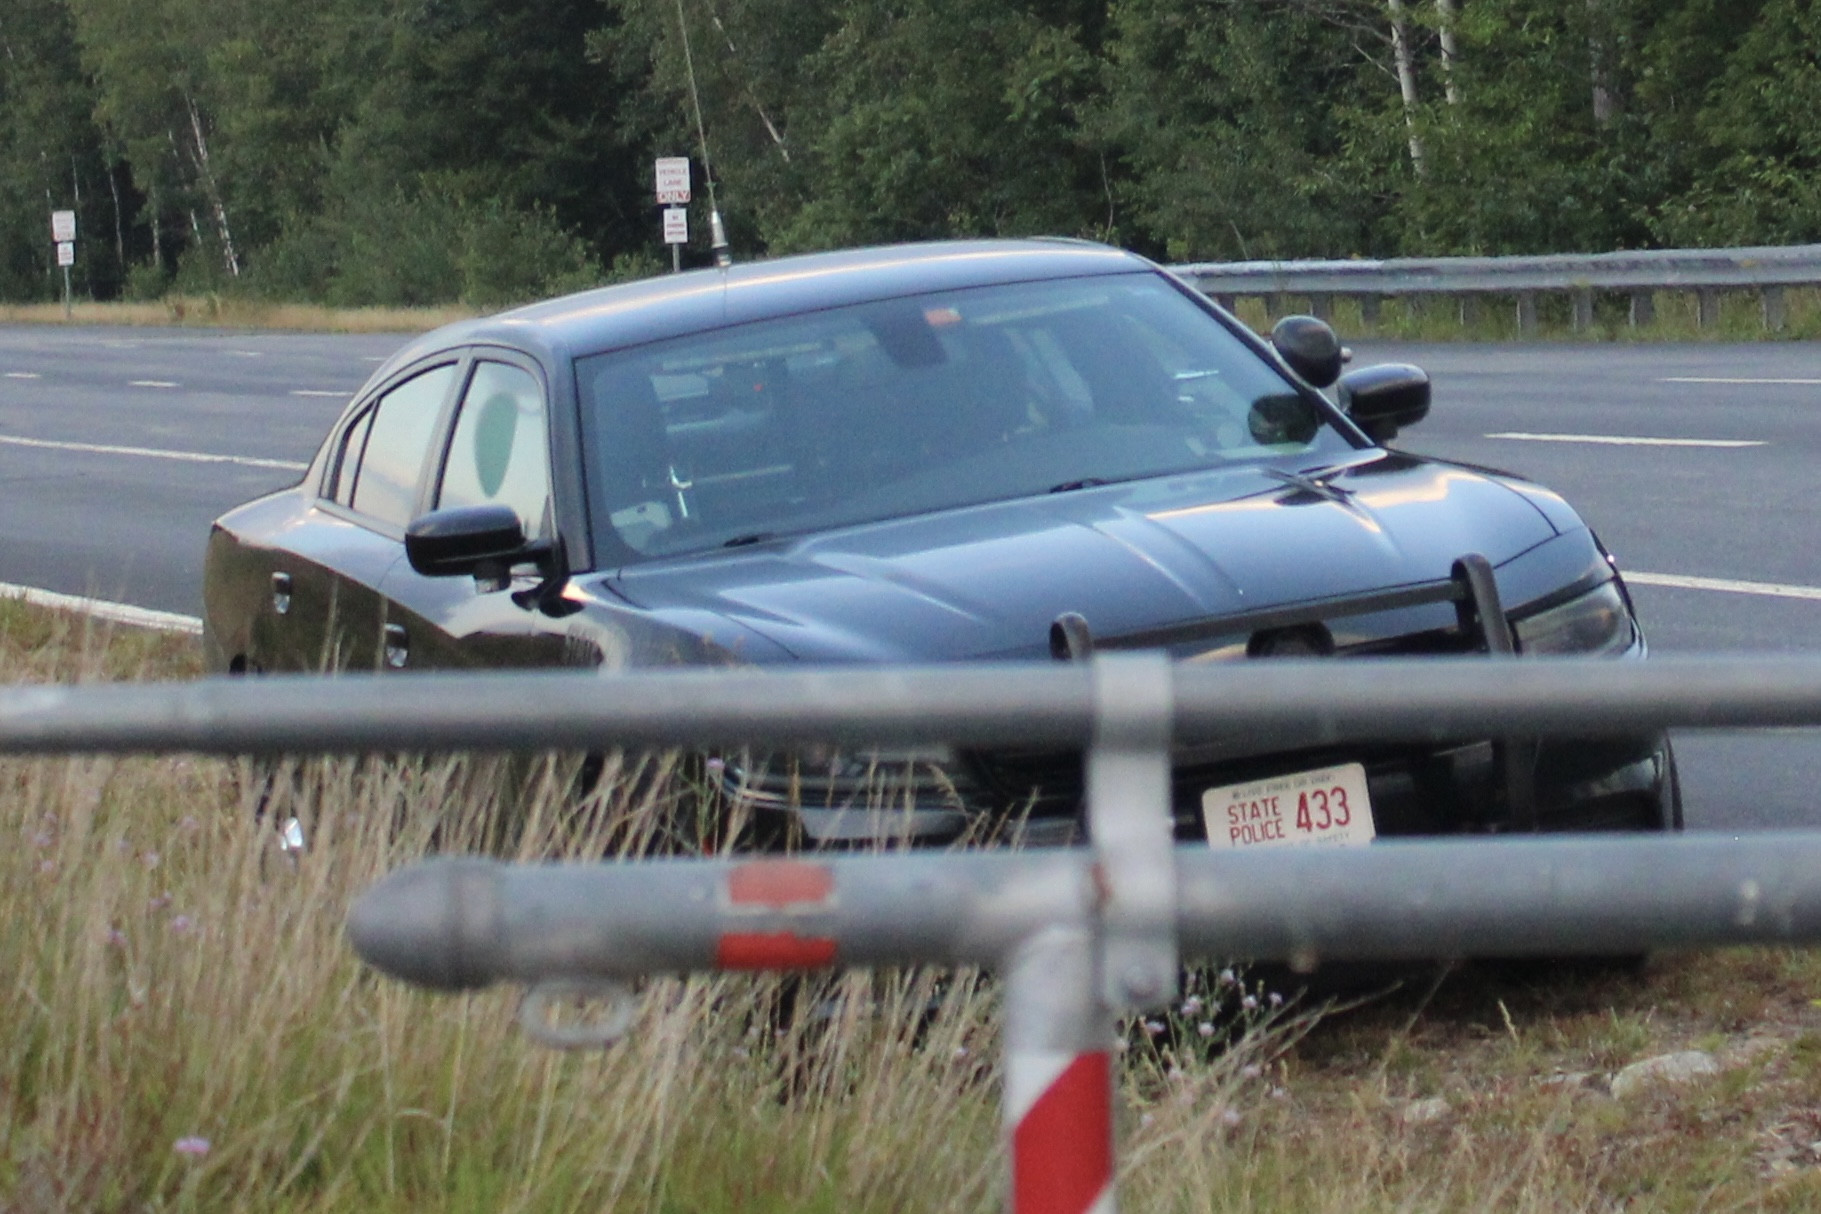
(1540, 152)
(1252, 130)
(1754, 175)
(875, 120)
(51, 158)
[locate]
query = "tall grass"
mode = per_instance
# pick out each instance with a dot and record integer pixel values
(180, 981)
(185, 1028)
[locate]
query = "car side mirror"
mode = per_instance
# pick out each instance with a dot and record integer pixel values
(483, 541)
(1309, 348)
(1383, 399)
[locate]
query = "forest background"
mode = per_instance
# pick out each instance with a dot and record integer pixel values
(399, 152)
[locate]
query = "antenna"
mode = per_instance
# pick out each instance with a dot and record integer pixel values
(723, 256)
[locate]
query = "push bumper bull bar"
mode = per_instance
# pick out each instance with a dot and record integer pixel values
(1471, 587)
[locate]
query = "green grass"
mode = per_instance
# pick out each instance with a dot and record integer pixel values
(172, 976)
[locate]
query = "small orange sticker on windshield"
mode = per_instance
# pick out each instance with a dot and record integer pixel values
(941, 317)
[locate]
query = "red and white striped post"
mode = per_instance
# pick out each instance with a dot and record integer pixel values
(1058, 1098)
(1065, 982)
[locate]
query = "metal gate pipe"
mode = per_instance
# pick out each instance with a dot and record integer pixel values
(1079, 934)
(1084, 939)
(1282, 702)
(1040, 918)
(462, 923)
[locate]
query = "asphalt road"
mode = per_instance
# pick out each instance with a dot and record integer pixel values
(1693, 462)
(1746, 516)
(118, 504)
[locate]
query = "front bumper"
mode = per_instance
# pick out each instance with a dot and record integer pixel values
(1036, 798)
(1486, 786)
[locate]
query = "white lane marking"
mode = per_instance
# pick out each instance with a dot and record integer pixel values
(248, 353)
(23, 375)
(1727, 379)
(317, 392)
(150, 383)
(1772, 590)
(1623, 440)
(101, 609)
(194, 457)
(374, 358)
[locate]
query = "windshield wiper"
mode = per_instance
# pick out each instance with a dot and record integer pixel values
(1086, 482)
(742, 541)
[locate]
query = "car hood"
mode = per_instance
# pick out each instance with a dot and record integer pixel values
(987, 581)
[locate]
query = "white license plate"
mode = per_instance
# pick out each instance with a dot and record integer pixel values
(1329, 806)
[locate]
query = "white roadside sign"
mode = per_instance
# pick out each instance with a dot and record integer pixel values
(66, 252)
(673, 180)
(63, 226)
(676, 225)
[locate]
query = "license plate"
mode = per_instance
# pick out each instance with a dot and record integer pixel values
(1328, 806)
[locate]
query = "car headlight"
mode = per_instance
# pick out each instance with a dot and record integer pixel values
(1596, 623)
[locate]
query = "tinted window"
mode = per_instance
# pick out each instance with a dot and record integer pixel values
(397, 444)
(928, 403)
(500, 451)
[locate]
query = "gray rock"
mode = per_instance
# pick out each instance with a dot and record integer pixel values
(1571, 1080)
(1426, 1112)
(1664, 1069)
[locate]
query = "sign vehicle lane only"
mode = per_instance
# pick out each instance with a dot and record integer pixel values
(673, 180)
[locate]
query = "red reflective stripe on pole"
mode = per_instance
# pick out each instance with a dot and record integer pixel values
(1062, 1148)
(780, 883)
(773, 951)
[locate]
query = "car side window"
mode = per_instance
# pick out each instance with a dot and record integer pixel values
(398, 439)
(499, 453)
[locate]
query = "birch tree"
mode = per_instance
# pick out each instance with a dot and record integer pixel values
(1405, 59)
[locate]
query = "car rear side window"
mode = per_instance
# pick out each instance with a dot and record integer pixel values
(347, 458)
(398, 442)
(500, 451)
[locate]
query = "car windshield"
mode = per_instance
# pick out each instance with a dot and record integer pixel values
(914, 405)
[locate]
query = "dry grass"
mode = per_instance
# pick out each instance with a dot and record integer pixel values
(174, 978)
(227, 312)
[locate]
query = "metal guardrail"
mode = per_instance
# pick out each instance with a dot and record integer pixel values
(1639, 274)
(1077, 935)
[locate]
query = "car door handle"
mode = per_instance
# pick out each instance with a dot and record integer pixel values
(398, 646)
(281, 593)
